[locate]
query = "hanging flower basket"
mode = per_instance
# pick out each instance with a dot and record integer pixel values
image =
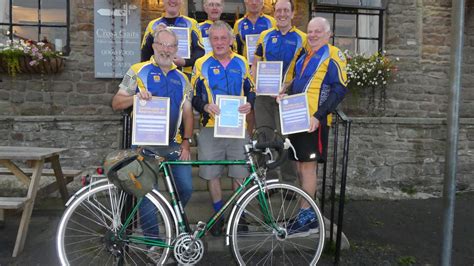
(47, 66)
(29, 58)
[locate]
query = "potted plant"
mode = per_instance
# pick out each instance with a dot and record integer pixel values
(372, 73)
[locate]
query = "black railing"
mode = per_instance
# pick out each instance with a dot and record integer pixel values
(341, 119)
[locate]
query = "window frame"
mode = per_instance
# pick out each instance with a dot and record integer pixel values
(335, 9)
(39, 25)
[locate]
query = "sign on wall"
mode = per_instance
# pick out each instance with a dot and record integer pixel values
(117, 38)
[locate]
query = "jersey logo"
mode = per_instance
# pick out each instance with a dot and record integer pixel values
(274, 39)
(341, 56)
(216, 71)
(156, 78)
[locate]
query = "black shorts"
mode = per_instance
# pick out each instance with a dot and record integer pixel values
(310, 146)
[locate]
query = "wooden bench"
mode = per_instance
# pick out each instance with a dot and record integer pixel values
(69, 175)
(35, 158)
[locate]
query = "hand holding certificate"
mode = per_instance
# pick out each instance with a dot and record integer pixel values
(269, 76)
(183, 41)
(294, 114)
(230, 123)
(150, 121)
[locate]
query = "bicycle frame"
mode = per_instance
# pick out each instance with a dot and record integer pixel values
(183, 224)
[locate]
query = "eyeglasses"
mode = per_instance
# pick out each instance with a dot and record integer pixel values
(166, 45)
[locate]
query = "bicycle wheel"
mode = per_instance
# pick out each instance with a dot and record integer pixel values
(91, 231)
(274, 239)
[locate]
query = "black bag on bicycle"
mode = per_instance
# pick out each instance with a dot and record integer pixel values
(128, 170)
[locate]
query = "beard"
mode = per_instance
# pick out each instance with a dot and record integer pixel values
(164, 59)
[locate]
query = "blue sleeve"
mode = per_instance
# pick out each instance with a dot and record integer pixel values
(249, 92)
(336, 93)
(196, 50)
(198, 101)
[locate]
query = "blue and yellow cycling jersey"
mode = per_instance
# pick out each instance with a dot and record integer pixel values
(325, 73)
(204, 28)
(148, 76)
(211, 78)
(196, 46)
(244, 26)
(275, 46)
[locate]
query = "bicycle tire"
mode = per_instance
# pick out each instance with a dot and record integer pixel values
(86, 230)
(255, 242)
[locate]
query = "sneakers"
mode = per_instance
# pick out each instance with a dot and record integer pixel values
(304, 224)
(218, 228)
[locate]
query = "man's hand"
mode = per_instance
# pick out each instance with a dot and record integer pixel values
(185, 151)
(280, 96)
(144, 95)
(179, 61)
(245, 108)
(313, 124)
(212, 109)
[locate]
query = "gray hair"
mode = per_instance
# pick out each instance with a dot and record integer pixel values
(162, 28)
(324, 21)
(219, 24)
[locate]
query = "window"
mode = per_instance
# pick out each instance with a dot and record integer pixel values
(37, 20)
(357, 24)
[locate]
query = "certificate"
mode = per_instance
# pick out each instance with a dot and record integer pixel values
(294, 114)
(230, 123)
(207, 45)
(269, 76)
(151, 121)
(184, 41)
(251, 42)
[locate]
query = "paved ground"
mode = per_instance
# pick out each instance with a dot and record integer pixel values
(404, 232)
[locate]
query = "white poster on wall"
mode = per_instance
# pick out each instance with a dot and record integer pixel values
(117, 38)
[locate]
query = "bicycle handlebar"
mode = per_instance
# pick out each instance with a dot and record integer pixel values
(279, 146)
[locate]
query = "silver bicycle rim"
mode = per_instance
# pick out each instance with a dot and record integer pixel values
(260, 245)
(82, 229)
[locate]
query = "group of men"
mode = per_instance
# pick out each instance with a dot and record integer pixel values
(310, 64)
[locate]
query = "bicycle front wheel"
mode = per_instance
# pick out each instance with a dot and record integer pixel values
(285, 227)
(99, 228)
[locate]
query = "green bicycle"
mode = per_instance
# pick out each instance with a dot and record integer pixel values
(101, 225)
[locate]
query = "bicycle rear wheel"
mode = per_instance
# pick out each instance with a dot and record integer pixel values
(91, 231)
(273, 239)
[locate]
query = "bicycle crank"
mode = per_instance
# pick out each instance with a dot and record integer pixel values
(188, 250)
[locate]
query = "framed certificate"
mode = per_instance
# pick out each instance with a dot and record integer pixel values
(207, 45)
(230, 123)
(251, 42)
(151, 121)
(269, 76)
(294, 114)
(184, 41)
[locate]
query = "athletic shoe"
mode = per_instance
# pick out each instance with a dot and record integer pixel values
(304, 224)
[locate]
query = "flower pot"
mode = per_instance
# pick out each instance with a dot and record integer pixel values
(47, 66)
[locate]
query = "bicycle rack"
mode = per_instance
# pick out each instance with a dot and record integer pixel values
(341, 118)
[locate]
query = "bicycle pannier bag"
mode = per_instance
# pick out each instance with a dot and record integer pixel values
(128, 170)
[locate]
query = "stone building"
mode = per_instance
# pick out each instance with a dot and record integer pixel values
(396, 151)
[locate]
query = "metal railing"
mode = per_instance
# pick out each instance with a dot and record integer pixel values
(341, 119)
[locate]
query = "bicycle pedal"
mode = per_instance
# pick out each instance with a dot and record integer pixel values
(201, 225)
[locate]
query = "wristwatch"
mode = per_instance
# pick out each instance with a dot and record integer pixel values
(190, 140)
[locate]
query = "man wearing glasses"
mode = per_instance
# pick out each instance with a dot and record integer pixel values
(213, 9)
(159, 76)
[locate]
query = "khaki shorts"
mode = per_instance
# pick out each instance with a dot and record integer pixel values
(211, 148)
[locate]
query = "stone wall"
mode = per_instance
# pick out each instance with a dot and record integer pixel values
(404, 157)
(397, 154)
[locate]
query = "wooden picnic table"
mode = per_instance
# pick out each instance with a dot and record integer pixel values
(35, 157)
